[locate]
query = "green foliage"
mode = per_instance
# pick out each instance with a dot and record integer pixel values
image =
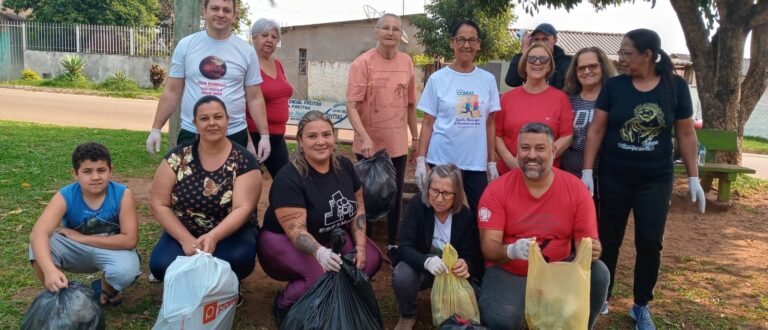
(29, 74)
(119, 81)
(68, 80)
(107, 12)
(492, 16)
(756, 144)
(74, 65)
(422, 59)
(243, 23)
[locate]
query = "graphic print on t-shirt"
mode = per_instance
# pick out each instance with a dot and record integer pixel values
(641, 131)
(387, 99)
(467, 105)
(341, 209)
(213, 68)
(96, 226)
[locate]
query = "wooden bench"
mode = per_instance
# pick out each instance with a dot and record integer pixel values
(717, 140)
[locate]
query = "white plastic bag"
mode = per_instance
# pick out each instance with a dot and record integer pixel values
(200, 292)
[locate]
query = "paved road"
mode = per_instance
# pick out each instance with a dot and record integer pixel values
(117, 113)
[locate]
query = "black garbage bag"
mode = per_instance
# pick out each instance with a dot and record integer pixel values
(338, 300)
(458, 323)
(379, 187)
(72, 308)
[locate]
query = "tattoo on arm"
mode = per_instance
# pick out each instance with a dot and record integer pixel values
(360, 222)
(306, 243)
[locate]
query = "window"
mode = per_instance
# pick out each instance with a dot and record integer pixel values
(303, 61)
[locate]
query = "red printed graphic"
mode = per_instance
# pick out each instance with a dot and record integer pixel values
(210, 311)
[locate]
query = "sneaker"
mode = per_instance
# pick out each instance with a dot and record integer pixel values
(604, 310)
(642, 316)
(392, 256)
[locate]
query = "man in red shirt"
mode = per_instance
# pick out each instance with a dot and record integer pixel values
(534, 202)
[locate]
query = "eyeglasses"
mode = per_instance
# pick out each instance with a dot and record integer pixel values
(583, 68)
(446, 194)
(531, 59)
(462, 41)
(393, 29)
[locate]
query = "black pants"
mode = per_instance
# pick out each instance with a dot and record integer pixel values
(648, 196)
(240, 138)
(278, 157)
(393, 217)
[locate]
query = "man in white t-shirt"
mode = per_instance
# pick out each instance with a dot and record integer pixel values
(214, 62)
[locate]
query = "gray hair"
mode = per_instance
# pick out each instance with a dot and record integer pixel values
(298, 160)
(445, 171)
(536, 128)
(263, 25)
(381, 19)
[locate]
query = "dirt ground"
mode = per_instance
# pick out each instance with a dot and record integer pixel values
(707, 260)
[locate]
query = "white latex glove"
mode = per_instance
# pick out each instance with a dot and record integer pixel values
(586, 178)
(519, 249)
(493, 172)
(435, 265)
(264, 148)
(697, 192)
(153, 141)
(328, 260)
(421, 171)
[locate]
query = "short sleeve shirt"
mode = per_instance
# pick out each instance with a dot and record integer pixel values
(461, 104)
(639, 129)
(215, 67)
(102, 221)
(202, 199)
(565, 212)
(329, 198)
(384, 89)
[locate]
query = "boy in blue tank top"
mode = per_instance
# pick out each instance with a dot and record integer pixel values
(88, 226)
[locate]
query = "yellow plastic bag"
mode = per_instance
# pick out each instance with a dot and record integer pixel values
(557, 294)
(452, 294)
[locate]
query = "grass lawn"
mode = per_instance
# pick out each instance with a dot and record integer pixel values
(140, 93)
(756, 145)
(35, 163)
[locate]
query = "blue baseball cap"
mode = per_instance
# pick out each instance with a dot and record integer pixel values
(545, 28)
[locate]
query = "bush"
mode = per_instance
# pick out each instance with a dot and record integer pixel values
(29, 74)
(74, 65)
(156, 75)
(119, 81)
(68, 80)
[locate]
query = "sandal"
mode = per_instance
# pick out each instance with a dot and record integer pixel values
(111, 299)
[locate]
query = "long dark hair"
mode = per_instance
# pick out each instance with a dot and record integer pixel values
(645, 39)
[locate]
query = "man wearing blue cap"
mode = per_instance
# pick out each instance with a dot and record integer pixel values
(544, 33)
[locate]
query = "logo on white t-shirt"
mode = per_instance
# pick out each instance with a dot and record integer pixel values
(484, 214)
(341, 208)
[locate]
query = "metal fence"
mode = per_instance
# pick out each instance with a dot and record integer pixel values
(94, 39)
(11, 52)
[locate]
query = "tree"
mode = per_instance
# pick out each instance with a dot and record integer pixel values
(492, 16)
(165, 15)
(727, 97)
(107, 12)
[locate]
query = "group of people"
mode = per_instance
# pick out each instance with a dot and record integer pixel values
(549, 132)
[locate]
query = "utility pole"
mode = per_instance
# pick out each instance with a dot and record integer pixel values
(186, 20)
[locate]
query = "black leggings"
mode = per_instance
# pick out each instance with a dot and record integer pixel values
(278, 157)
(393, 217)
(648, 196)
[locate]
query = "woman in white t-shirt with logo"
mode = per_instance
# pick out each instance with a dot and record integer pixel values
(458, 104)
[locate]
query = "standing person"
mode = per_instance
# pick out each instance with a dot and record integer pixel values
(544, 33)
(317, 192)
(380, 102)
(98, 229)
(632, 129)
(458, 104)
(277, 90)
(213, 62)
(204, 195)
(540, 204)
(535, 101)
(433, 218)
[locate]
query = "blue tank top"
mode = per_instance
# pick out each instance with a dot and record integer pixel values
(102, 221)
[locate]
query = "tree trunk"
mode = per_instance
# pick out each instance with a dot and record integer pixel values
(727, 100)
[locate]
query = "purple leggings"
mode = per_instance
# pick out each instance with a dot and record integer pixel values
(284, 262)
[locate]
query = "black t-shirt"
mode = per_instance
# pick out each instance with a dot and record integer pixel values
(638, 134)
(329, 198)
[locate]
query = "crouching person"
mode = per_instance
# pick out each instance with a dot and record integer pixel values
(98, 229)
(433, 218)
(315, 193)
(534, 202)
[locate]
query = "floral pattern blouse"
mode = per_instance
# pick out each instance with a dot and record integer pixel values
(202, 199)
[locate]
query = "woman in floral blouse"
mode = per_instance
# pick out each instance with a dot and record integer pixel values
(204, 195)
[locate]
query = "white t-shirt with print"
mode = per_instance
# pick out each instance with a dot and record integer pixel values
(442, 233)
(215, 67)
(461, 104)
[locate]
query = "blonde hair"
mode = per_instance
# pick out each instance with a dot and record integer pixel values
(298, 160)
(523, 64)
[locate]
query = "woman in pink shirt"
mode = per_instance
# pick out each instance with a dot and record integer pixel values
(534, 101)
(277, 90)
